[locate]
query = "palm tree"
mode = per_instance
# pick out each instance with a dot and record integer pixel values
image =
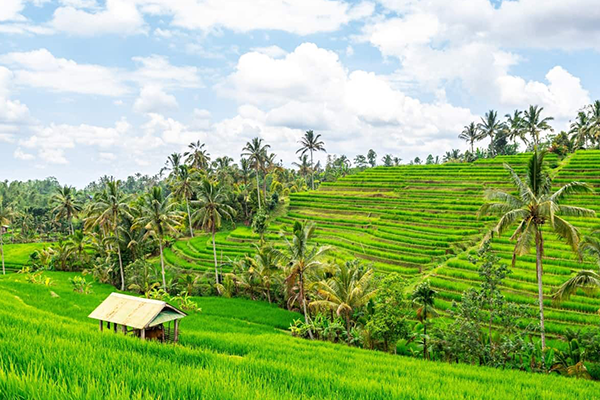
(585, 278)
(489, 127)
(263, 267)
(6, 215)
(533, 123)
(514, 127)
(183, 188)
(311, 143)
(350, 288)
(304, 167)
(470, 134)
(172, 164)
(580, 129)
(424, 297)
(531, 210)
(159, 216)
(197, 157)
(66, 205)
(211, 211)
(106, 210)
(594, 117)
(301, 258)
(256, 153)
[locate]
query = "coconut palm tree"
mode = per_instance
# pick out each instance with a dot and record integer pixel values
(350, 288)
(159, 216)
(6, 215)
(301, 258)
(211, 211)
(256, 153)
(263, 267)
(424, 298)
(580, 129)
(303, 166)
(534, 124)
(534, 207)
(309, 144)
(594, 118)
(514, 127)
(585, 279)
(172, 164)
(106, 211)
(183, 188)
(66, 205)
(470, 134)
(197, 157)
(489, 126)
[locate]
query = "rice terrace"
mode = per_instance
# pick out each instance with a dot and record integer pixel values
(320, 199)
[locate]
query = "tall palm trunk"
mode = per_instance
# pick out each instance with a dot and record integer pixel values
(120, 258)
(312, 171)
(258, 187)
(187, 204)
(162, 263)
(303, 299)
(425, 354)
(2, 249)
(539, 247)
(215, 255)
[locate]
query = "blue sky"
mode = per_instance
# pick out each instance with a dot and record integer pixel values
(94, 87)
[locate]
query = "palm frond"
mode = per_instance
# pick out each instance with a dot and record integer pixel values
(584, 279)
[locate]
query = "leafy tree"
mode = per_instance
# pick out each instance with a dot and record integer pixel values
(300, 258)
(531, 210)
(260, 223)
(534, 124)
(304, 166)
(514, 127)
(311, 143)
(159, 216)
(360, 161)
(470, 134)
(489, 127)
(423, 297)
(256, 153)
(372, 158)
(66, 205)
(580, 129)
(387, 322)
(263, 267)
(212, 208)
(388, 160)
(106, 210)
(417, 161)
(594, 120)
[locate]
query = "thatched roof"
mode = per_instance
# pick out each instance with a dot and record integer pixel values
(135, 312)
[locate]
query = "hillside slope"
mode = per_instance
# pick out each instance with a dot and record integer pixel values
(420, 221)
(49, 349)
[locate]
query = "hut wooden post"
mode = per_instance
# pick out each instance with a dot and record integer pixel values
(124, 328)
(101, 325)
(115, 326)
(108, 325)
(176, 331)
(143, 334)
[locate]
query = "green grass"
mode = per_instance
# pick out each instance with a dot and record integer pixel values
(16, 256)
(49, 349)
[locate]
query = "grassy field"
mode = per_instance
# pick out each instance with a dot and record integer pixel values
(49, 349)
(421, 221)
(16, 256)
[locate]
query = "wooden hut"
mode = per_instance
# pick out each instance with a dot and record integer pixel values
(145, 318)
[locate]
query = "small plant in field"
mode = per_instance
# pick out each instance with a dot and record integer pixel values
(80, 285)
(185, 302)
(38, 279)
(157, 294)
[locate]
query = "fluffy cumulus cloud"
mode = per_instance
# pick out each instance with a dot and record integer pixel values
(310, 89)
(476, 44)
(154, 99)
(10, 10)
(11, 111)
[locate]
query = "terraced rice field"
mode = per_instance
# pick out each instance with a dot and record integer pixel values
(16, 256)
(421, 222)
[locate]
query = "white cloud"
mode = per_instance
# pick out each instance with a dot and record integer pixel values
(107, 157)
(118, 17)
(271, 51)
(40, 68)
(11, 9)
(310, 89)
(170, 131)
(11, 111)
(153, 99)
(156, 70)
(19, 154)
